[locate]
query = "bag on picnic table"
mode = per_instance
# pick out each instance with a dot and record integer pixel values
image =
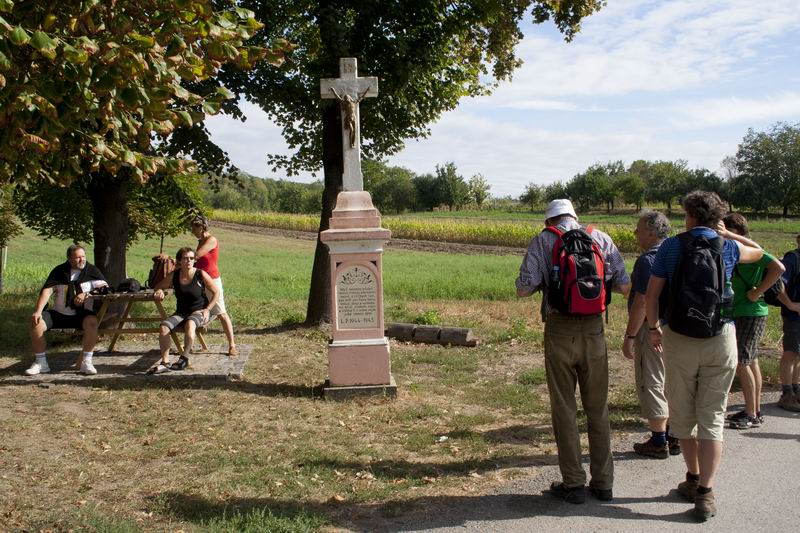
(163, 266)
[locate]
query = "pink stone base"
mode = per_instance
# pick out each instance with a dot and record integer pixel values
(359, 364)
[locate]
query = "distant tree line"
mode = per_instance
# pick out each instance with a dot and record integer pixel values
(763, 176)
(393, 189)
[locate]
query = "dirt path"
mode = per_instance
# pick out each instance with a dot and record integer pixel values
(395, 244)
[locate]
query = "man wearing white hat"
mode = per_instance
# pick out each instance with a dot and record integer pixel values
(575, 267)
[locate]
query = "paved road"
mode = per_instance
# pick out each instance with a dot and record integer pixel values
(758, 489)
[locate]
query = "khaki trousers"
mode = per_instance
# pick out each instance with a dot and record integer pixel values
(575, 354)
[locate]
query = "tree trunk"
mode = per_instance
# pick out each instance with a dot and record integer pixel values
(3, 257)
(109, 196)
(320, 298)
(785, 211)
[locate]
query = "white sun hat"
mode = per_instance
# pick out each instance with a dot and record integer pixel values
(559, 207)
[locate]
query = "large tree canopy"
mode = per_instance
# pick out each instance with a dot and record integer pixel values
(768, 165)
(427, 55)
(90, 92)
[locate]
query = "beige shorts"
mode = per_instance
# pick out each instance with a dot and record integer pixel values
(699, 373)
(649, 369)
(219, 308)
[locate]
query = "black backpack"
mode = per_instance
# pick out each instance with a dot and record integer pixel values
(770, 295)
(793, 285)
(697, 291)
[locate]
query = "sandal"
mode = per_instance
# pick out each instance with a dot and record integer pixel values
(181, 364)
(160, 368)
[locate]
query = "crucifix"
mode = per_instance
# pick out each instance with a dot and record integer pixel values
(349, 90)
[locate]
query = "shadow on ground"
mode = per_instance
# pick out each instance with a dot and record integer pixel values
(417, 513)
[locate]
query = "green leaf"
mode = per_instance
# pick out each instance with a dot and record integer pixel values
(225, 93)
(6, 6)
(5, 63)
(129, 96)
(44, 44)
(244, 13)
(211, 108)
(185, 117)
(19, 36)
(74, 55)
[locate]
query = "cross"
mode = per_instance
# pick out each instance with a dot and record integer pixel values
(349, 89)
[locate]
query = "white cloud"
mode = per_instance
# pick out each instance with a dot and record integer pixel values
(648, 46)
(734, 110)
(510, 155)
(249, 142)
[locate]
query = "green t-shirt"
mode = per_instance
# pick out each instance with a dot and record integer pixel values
(749, 275)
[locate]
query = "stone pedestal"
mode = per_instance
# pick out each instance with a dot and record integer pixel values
(358, 354)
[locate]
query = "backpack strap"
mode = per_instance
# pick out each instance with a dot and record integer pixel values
(555, 230)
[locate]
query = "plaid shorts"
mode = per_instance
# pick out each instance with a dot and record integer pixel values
(749, 330)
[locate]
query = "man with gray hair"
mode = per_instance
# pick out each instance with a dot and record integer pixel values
(653, 227)
(71, 283)
(575, 351)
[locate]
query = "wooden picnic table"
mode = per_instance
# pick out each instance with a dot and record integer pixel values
(115, 326)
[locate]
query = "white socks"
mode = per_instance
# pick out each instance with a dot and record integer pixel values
(41, 357)
(87, 357)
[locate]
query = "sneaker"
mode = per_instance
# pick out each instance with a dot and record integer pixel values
(604, 495)
(38, 368)
(760, 418)
(674, 445)
(688, 489)
(744, 423)
(789, 403)
(87, 368)
(648, 449)
(570, 495)
(704, 506)
(737, 416)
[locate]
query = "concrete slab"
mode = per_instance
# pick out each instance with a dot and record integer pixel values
(132, 364)
(340, 394)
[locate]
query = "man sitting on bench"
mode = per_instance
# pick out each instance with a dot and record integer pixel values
(71, 282)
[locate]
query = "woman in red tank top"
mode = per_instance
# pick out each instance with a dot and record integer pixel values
(207, 255)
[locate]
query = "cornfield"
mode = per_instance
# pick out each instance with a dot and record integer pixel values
(513, 234)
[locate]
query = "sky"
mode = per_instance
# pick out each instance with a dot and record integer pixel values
(655, 80)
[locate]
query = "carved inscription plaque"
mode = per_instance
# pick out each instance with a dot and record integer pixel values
(356, 298)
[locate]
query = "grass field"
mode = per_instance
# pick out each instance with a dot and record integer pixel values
(267, 454)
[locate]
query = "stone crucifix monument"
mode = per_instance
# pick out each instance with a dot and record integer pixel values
(358, 354)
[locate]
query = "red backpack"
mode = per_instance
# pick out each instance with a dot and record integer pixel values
(577, 281)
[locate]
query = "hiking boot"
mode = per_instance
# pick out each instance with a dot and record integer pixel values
(648, 449)
(568, 494)
(604, 495)
(87, 368)
(704, 506)
(38, 368)
(789, 403)
(688, 489)
(674, 445)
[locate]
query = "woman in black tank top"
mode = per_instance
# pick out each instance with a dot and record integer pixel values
(193, 307)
